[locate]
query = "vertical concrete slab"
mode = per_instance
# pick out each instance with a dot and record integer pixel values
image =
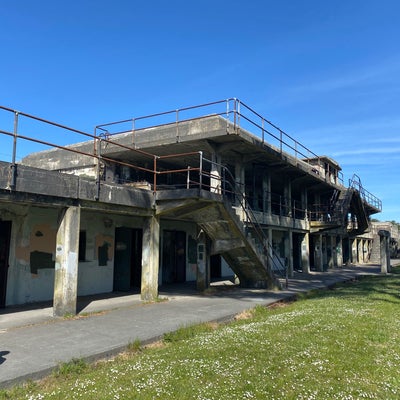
(266, 186)
(384, 241)
(304, 202)
(331, 251)
(305, 253)
(360, 251)
(203, 264)
(240, 177)
(150, 258)
(339, 251)
(318, 255)
(354, 251)
(66, 265)
(215, 180)
(287, 199)
(289, 252)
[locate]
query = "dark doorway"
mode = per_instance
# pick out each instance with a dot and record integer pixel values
(5, 235)
(297, 262)
(215, 266)
(127, 258)
(174, 257)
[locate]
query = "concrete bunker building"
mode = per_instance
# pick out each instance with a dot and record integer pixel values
(186, 195)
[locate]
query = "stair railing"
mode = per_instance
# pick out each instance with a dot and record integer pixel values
(229, 188)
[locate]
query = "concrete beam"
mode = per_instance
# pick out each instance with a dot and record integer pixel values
(66, 266)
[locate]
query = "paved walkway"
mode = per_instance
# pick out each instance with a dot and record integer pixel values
(32, 342)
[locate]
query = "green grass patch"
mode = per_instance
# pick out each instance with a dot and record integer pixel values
(339, 343)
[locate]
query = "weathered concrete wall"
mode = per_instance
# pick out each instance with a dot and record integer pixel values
(32, 253)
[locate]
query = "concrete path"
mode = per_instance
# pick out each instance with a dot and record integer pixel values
(32, 342)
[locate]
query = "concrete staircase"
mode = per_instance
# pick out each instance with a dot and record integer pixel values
(245, 253)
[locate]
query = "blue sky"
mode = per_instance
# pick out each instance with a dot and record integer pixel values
(328, 73)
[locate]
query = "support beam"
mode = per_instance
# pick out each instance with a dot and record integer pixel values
(150, 259)
(66, 265)
(384, 240)
(318, 254)
(203, 264)
(339, 251)
(289, 252)
(305, 253)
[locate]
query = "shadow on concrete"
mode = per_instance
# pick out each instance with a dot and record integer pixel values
(2, 354)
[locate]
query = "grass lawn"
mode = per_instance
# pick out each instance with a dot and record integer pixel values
(342, 343)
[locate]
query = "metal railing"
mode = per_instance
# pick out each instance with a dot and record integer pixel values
(369, 198)
(238, 116)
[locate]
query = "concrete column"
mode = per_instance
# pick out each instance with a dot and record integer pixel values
(331, 251)
(288, 198)
(66, 266)
(215, 181)
(240, 177)
(150, 258)
(318, 256)
(360, 251)
(384, 241)
(339, 252)
(304, 202)
(305, 253)
(203, 263)
(354, 248)
(266, 186)
(289, 252)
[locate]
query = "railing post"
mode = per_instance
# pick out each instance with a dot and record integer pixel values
(177, 125)
(188, 178)
(98, 150)
(14, 154)
(280, 140)
(201, 170)
(263, 130)
(155, 174)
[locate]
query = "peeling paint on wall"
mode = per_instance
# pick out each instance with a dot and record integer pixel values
(42, 239)
(104, 248)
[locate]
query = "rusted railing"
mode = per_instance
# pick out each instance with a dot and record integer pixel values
(237, 114)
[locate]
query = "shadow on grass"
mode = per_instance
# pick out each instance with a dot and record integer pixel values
(374, 287)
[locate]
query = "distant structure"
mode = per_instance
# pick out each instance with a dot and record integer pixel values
(187, 195)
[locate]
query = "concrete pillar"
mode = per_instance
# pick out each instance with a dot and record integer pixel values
(360, 251)
(318, 254)
(384, 241)
(331, 251)
(240, 178)
(267, 193)
(339, 252)
(288, 199)
(304, 202)
(215, 181)
(289, 252)
(305, 253)
(354, 251)
(203, 263)
(66, 265)
(150, 258)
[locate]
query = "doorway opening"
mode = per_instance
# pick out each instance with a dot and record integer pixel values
(174, 257)
(127, 259)
(5, 236)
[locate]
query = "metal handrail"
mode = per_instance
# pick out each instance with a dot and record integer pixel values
(369, 198)
(227, 179)
(234, 111)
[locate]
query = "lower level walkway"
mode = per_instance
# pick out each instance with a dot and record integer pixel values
(32, 342)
